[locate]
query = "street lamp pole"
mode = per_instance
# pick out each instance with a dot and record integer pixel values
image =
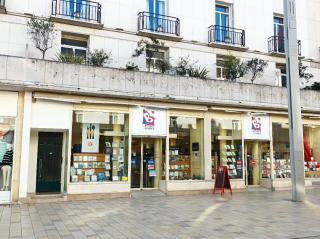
(294, 105)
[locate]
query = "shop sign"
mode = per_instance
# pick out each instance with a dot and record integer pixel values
(90, 138)
(148, 121)
(257, 127)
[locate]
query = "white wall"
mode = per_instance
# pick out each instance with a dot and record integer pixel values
(9, 101)
(51, 115)
(255, 17)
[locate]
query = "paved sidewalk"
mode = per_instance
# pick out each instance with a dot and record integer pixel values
(245, 215)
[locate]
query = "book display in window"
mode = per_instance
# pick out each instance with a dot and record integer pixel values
(115, 153)
(266, 165)
(89, 168)
(179, 165)
(232, 159)
(312, 169)
(282, 167)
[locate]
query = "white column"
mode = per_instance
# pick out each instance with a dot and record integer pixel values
(24, 166)
(207, 147)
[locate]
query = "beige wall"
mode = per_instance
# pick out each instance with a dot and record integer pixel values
(33, 153)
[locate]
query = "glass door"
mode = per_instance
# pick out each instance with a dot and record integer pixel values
(258, 161)
(136, 163)
(147, 162)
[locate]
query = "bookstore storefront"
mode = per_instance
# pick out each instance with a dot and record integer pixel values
(187, 158)
(241, 142)
(99, 152)
(148, 147)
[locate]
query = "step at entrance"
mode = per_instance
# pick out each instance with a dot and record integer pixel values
(257, 189)
(147, 193)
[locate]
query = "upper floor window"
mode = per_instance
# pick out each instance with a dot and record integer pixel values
(278, 26)
(222, 16)
(74, 45)
(221, 70)
(281, 75)
(155, 58)
(157, 6)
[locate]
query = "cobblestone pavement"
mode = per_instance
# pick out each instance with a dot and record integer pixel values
(245, 215)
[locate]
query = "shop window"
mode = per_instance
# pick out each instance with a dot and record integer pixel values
(74, 45)
(226, 146)
(311, 143)
(100, 147)
(6, 156)
(281, 150)
(186, 149)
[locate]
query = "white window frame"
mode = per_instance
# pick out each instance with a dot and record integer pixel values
(228, 13)
(220, 68)
(154, 59)
(276, 26)
(72, 47)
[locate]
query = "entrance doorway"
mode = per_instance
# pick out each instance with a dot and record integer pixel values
(147, 164)
(49, 162)
(258, 162)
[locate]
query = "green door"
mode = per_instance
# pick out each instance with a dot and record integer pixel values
(49, 162)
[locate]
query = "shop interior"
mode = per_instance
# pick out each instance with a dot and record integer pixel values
(147, 162)
(258, 161)
(107, 160)
(281, 150)
(186, 148)
(6, 156)
(311, 143)
(226, 146)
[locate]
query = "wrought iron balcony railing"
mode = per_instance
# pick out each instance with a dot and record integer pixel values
(158, 23)
(227, 35)
(276, 45)
(77, 9)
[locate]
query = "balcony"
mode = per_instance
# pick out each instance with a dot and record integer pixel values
(75, 12)
(2, 6)
(227, 37)
(159, 26)
(49, 76)
(276, 46)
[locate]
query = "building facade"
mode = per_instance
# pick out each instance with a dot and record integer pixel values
(80, 131)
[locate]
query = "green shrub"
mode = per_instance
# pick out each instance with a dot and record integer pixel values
(67, 58)
(198, 72)
(163, 65)
(98, 57)
(131, 66)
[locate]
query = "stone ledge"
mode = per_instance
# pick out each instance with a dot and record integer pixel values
(228, 46)
(159, 35)
(76, 22)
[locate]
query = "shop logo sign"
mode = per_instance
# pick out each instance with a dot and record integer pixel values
(256, 125)
(149, 118)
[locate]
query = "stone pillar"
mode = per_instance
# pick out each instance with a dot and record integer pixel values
(18, 148)
(207, 148)
(256, 168)
(157, 161)
(25, 146)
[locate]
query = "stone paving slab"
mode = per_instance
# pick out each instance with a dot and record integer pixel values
(244, 215)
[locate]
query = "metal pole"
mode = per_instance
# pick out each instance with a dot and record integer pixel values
(294, 107)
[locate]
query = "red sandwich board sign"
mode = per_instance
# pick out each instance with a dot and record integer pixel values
(222, 180)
